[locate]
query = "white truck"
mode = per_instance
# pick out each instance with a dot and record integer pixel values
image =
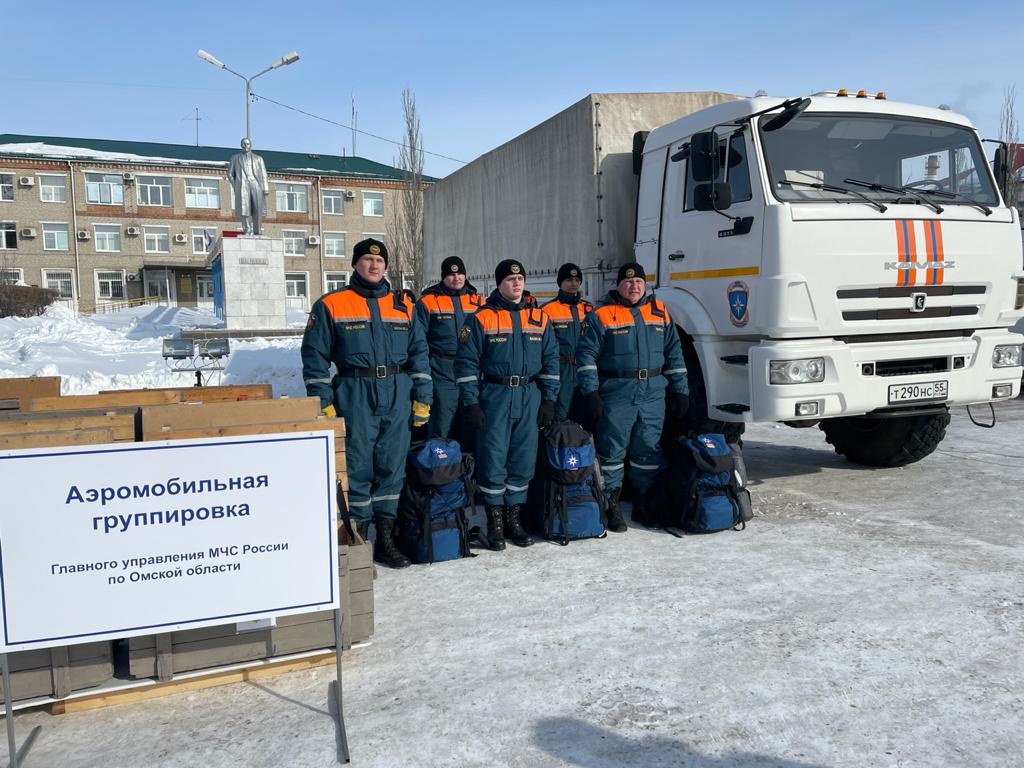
(845, 261)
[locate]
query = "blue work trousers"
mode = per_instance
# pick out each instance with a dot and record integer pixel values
(506, 453)
(631, 427)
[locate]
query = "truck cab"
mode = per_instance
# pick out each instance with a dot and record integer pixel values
(834, 260)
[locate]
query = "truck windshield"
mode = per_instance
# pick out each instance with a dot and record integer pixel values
(888, 151)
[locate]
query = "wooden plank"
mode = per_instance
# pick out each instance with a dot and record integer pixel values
(112, 399)
(93, 436)
(13, 404)
(159, 420)
(33, 683)
(121, 425)
(25, 388)
(226, 393)
(198, 682)
(316, 425)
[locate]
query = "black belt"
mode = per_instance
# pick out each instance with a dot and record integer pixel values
(570, 359)
(378, 372)
(642, 373)
(509, 381)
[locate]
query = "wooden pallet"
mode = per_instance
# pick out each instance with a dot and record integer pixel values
(25, 388)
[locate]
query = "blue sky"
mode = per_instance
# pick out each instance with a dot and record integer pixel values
(481, 72)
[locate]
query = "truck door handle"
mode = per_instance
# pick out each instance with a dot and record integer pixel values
(675, 256)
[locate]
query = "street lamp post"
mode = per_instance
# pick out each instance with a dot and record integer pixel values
(288, 58)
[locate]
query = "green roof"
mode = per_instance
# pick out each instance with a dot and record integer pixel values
(111, 150)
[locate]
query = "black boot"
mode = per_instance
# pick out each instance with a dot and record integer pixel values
(495, 531)
(615, 522)
(363, 529)
(644, 511)
(385, 550)
(514, 530)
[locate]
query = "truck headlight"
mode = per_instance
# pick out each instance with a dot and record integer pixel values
(803, 371)
(1006, 356)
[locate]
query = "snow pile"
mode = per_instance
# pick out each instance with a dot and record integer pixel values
(87, 153)
(122, 350)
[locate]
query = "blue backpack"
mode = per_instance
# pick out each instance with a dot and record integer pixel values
(712, 486)
(432, 507)
(572, 504)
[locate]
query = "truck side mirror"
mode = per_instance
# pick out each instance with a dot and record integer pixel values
(1000, 168)
(716, 196)
(704, 157)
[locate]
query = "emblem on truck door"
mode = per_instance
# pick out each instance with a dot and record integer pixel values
(739, 296)
(919, 300)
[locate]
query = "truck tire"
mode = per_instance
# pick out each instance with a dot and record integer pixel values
(886, 442)
(697, 420)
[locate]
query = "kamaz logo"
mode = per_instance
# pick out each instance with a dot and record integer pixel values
(901, 265)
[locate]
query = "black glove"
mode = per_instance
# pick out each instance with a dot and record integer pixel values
(680, 404)
(474, 417)
(594, 408)
(546, 413)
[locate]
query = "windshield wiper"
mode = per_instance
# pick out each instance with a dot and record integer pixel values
(830, 188)
(957, 196)
(912, 193)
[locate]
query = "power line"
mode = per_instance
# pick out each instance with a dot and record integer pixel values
(356, 130)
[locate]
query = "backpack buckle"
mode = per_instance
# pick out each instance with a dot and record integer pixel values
(381, 372)
(642, 373)
(515, 381)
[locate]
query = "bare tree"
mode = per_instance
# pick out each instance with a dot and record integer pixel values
(405, 236)
(1009, 131)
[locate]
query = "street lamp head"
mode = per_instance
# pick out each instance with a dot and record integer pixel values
(210, 58)
(288, 58)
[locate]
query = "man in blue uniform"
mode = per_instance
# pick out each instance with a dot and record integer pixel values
(370, 334)
(507, 372)
(567, 311)
(628, 355)
(442, 310)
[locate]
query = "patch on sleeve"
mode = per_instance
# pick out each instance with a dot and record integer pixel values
(464, 334)
(311, 321)
(584, 327)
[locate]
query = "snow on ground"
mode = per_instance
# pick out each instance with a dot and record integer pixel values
(865, 618)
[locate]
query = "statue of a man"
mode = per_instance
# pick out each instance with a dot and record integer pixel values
(248, 177)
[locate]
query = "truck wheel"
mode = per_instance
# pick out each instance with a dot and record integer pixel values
(892, 442)
(697, 420)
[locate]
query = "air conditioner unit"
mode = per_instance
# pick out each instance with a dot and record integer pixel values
(179, 238)
(28, 232)
(350, 195)
(26, 181)
(131, 277)
(131, 231)
(129, 177)
(83, 234)
(313, 240)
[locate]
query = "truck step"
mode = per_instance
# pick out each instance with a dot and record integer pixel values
(735, 359)
(733, 407)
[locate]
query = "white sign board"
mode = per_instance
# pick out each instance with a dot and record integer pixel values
(100, 542)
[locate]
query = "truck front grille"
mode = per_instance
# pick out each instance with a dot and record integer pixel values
(911, 367)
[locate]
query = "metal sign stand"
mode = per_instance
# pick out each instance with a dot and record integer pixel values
(343, 755)
(9, 714)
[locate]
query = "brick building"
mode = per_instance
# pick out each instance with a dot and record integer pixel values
(112, 222)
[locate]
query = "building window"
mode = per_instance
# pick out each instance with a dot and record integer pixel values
(204, 287)
(8, 235)
(334, 201)
(157, 239)
(108, 238)
(109, 285)
(104, 189)
(60, 280)
(6, 186)
(294, 241)
(55, 237)
(335, 281)
(334, 244)
(155, 190)
(373, 203)
(53, 189)
(295, 285)
(202, 239)
(10, 276)
(202, 193)
(292, 197)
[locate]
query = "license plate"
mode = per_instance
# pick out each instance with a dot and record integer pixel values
(909, 393)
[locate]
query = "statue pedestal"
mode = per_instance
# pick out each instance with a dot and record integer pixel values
(249, 290)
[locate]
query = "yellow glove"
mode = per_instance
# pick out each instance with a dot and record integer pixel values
(329, 411)
(420, 413)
